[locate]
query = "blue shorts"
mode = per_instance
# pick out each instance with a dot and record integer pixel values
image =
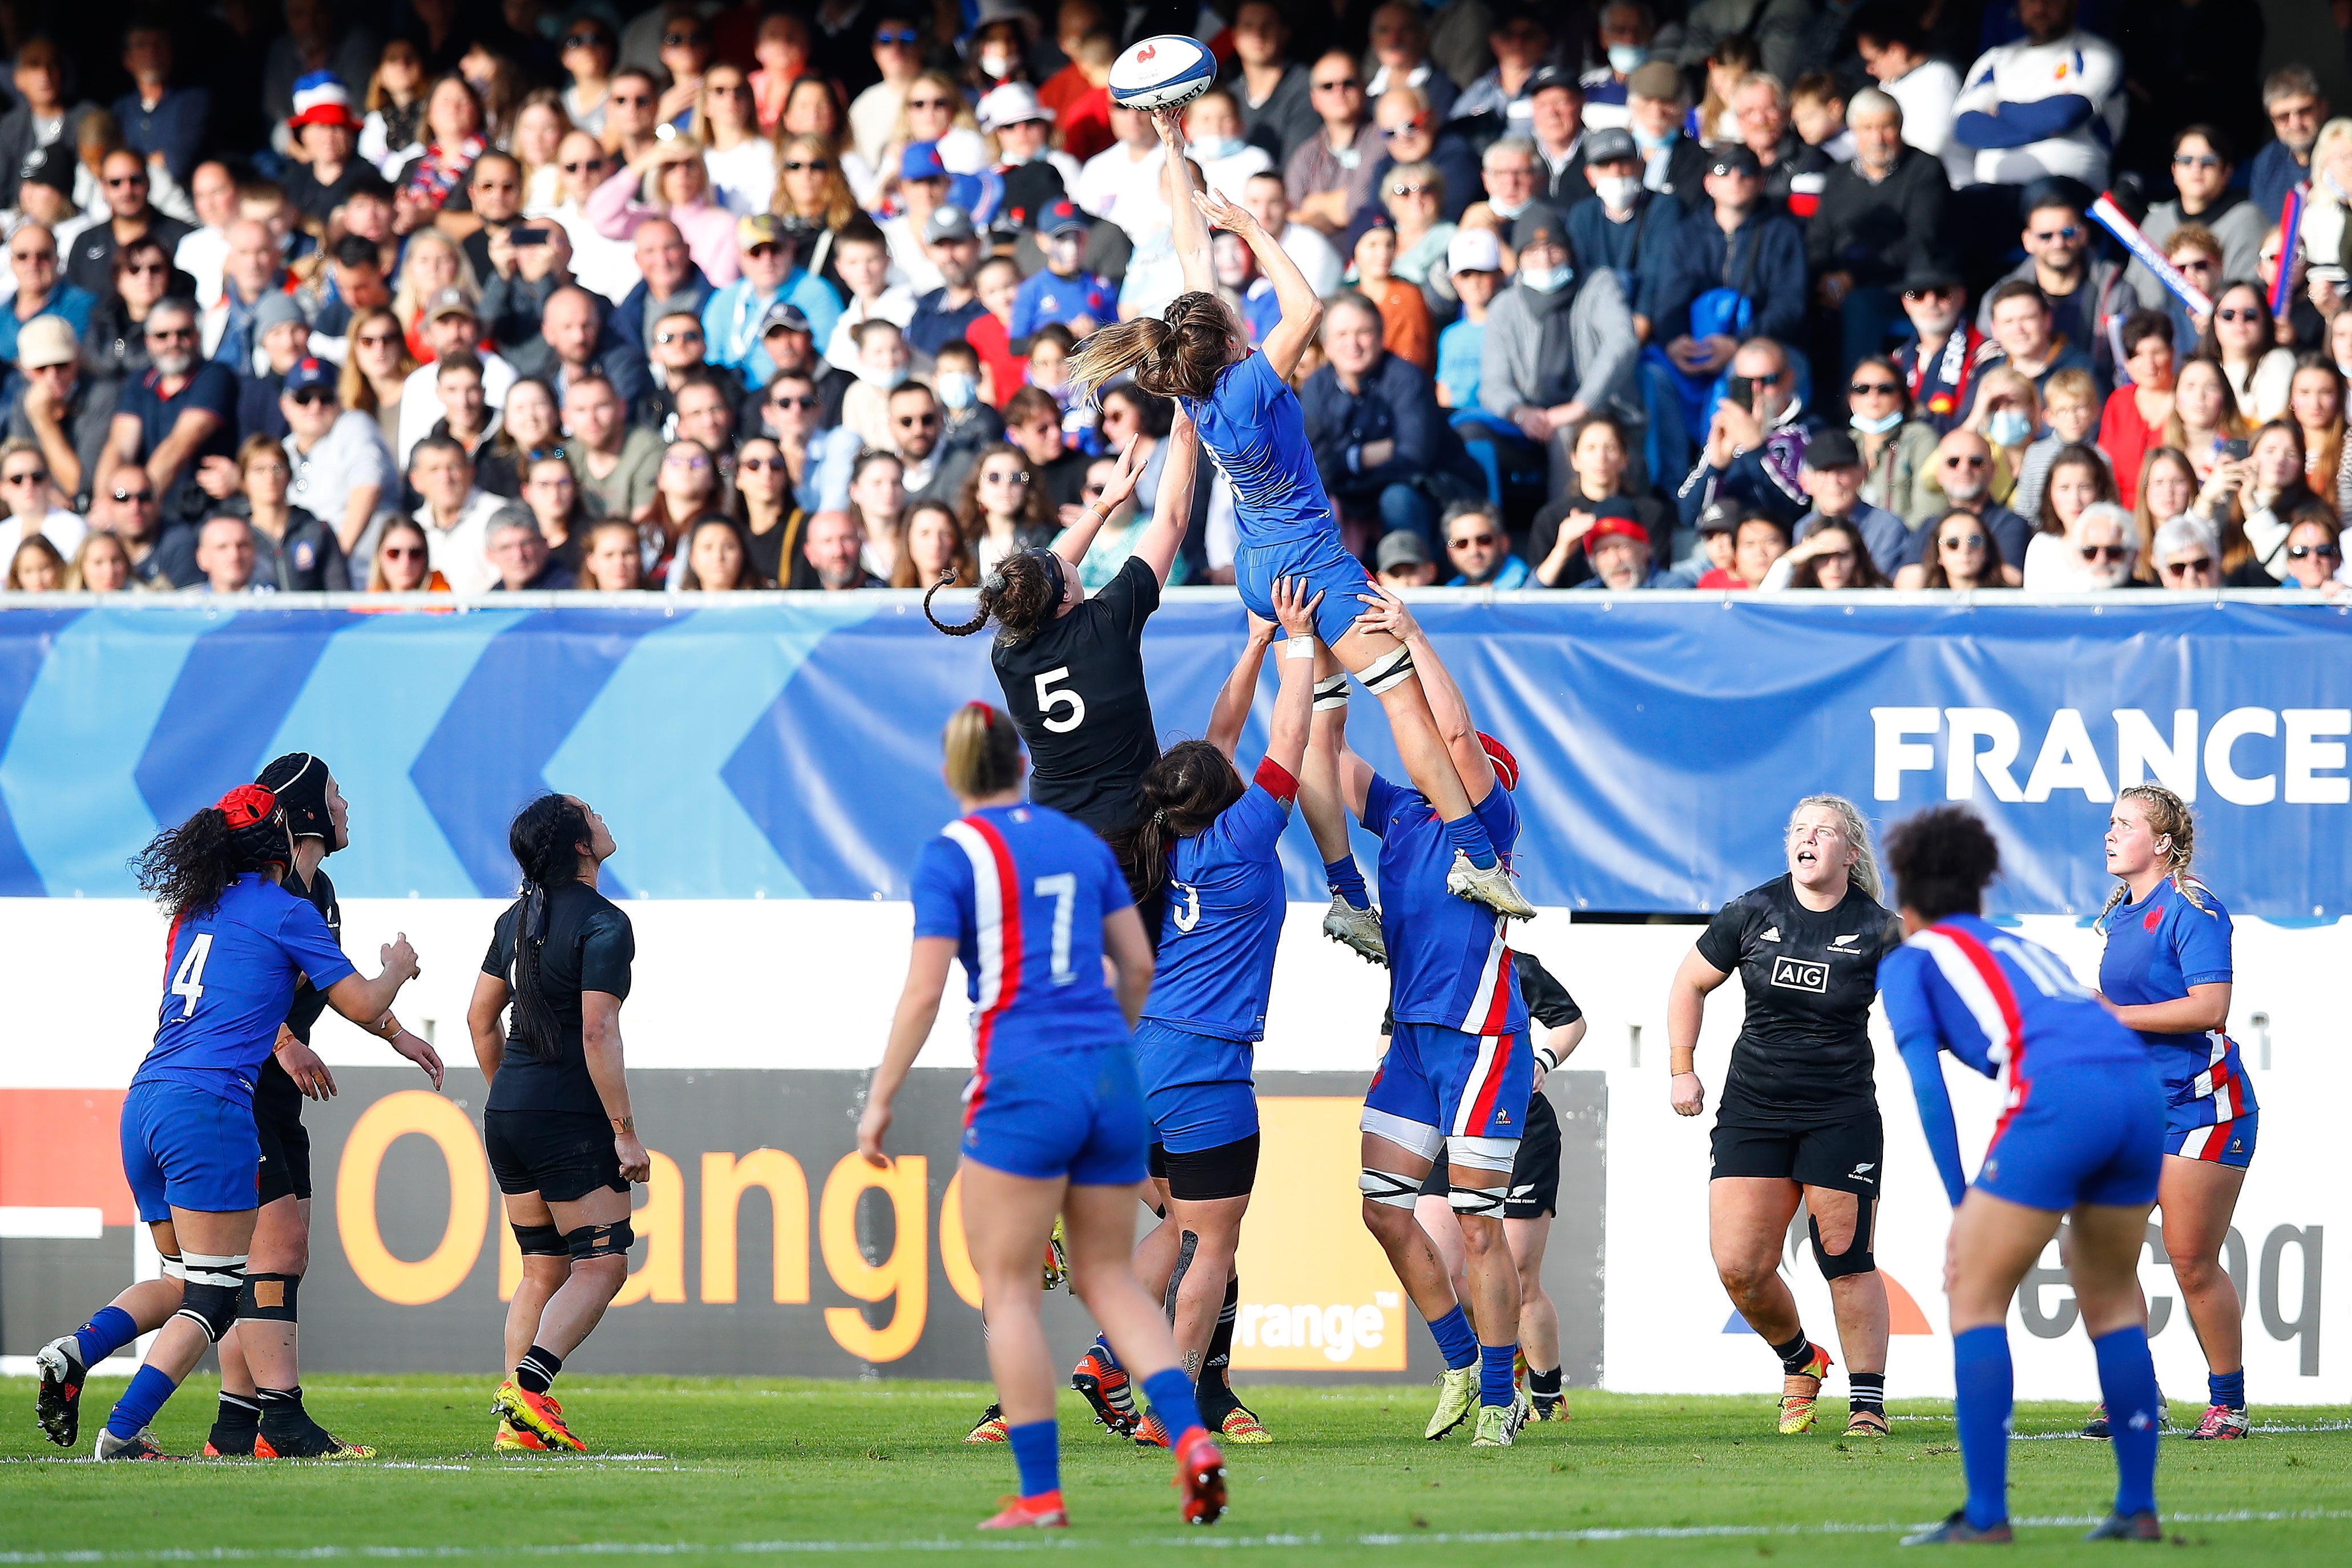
(184, 1148)
(1076, 1113)
(2084, 1134)
(1196, 1086)
(1449, 1085)
(1327, 566)
(2230, 1142)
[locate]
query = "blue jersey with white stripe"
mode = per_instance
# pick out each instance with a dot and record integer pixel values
(1253, 427)
(229, 975)
(2158, 947)
(1222, 923)
(1024, 892)
(1449, 962)
(2004, 1006)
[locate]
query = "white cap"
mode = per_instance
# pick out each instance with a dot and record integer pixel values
(1474, 250)
(1010, 103)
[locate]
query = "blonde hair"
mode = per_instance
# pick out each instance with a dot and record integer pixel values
(1864, 872)
(2169, 816)
(840, 204)
(983, 753)
(408, 304)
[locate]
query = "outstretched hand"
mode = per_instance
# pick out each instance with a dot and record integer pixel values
(1170, 122)
(1122, 483)
(1220, 214)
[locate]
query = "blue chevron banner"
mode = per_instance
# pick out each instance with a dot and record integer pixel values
(787, 747)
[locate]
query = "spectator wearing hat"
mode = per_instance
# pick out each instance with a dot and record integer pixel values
(1400, 46)
(1627, 227)
(1832, 475)
(2050, 103)
(576, 338)
(1403, 562)
(1739, 272)
(33, 264)
(941, 316)
(1876, 214)
(39, 119)
(1559, 345)
(669, 283)
(733, 320)
(787, 340)
(169, 418)
(1496, 104)
(1756, 440)
(1718, 546)
(1406, 330)
(1381, 442)
(924, 187)
(449, 322)
(281, 337)
(1034, 171)
(1479, 549)
(1618, 548)
(1673, 163)
(45, 185)
(341, 474)
(130, 215)
(1474, 266)
(1329, 176)
(1063, 290)
(1940, 363)
(1556, 125)
(1271, 88)
(326, 129)
(68, 414)
(1416, 134)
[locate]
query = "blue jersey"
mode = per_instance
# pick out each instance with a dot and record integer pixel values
(1047, 296)
(1256, 430)
(2002, 1005)
(2157, 948)
(1448, 961)
(1023, 890)
(1224, 920)
(229, 977)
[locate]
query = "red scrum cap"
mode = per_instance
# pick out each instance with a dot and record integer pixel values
(1507, 766)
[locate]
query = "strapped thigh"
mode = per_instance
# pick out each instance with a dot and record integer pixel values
(1389, 671)
(1857, 1257)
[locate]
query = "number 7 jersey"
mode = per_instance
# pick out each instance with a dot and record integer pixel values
(1022, 890)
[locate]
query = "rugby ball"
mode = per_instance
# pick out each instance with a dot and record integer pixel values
(1162, 72)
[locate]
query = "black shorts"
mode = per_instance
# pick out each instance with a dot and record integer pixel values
(1203, 1175)
(1535, 1169)
(559, 1154)
(285, 1141)
(1844, 1155)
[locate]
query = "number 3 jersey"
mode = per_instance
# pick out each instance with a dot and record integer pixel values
(1803, 1054)
(228, 976)
(1023, 892)
(1223, 917)
(1075, 688)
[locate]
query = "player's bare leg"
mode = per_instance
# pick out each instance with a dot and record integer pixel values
(1748, 1224)
(63, 1364)
(1351, 920)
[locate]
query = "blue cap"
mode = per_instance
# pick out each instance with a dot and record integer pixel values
(1060, 217)
(310, 372)
(921, 162)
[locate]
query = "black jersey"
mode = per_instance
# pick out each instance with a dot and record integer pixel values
(1803, 1054)
(1548, 1002)
(589, 947)
(1075, 688)
(309, 1002)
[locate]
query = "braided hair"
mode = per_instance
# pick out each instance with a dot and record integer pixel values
(2169, 817)
(1178, 797)
(1180, 353)
(1021, 593)
(545, 839)
(187, 868)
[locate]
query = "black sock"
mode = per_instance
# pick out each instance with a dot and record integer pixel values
(1221, 1344)
(238, 1414)
(536, 1371)
(1544, 1385)
(1795, 1355)
(281, 1406)
(1866, 1391)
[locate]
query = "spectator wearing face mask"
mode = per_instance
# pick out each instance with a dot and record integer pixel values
(1673, 165)
(1896, 450)
(1558, 346)
(1628, 227)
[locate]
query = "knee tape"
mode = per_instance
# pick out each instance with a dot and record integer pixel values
(214, 1282)
(1388, 671)
(1465, 1153)
(1486, 1202)
(1387, 1186)
(269, 1297)
(1857, 1257)
(173, 1268)
(540, 1241)
(1332, 692)
(600, 1241)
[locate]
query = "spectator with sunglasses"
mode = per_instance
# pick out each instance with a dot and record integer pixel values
(1960, 553)
(1409, 127)
(339, 467)
(1962, 470)
(668, 284)
(2187, 553)
(1479, 551)
(606, 267)
(130, 217)
(897, 57)
(2084, 294)
(130, 507)
(2201, 170)
(2102, 551)
(1330, 177)
(180, 411)
(39, 291)
(1896, 450)
(631, 124)
(1939, 364)
(115, 340)
(588, 53)
(2314, 552)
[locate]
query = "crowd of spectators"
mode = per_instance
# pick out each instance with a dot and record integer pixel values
(712, 295)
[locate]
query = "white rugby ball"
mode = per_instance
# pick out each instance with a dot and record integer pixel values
(1162, 72)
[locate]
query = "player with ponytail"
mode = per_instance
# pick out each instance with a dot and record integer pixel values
(2167, 971)
(1251, 422)
(239, 945)
(557, 1126)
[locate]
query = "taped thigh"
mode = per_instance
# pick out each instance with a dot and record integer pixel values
(1857, 1257)
(540, 1241)
(214, 1282)
(1389, 671)
(600, 1241)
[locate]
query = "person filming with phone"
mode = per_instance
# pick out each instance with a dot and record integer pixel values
(1756, 441)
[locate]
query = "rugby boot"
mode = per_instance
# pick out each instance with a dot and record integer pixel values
(1043, 1512)
(1358, 930)
(1108, 1391)
(1458, 1394)
(1149, 1433)
(308, 1442)
(2223, 1424)
(1242, 1427)
(1491, 886)
(1866, 1424)
(1498, 1426)
(513, 1439)
(1548, 1407)
(142, 1447)
(537, 1414)
(1200, 1476)
(1800, 1392)
(59, 1404)
(2097, 1427)
(992, 1428)
(2143, 1526)
(1057, 1259)
(227, 1442)
(1956, 1531)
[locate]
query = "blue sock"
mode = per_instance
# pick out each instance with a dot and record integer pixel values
(1037, 1451)
(1986, 1385)
(1172, 1399)
(108, 1331)
(2229, 1392)
(1347, 878)
(1495, 1380)
(2127, 1383)
(148, 1388)
(1103, 1349)
(1455, 1342)
(1468, 834)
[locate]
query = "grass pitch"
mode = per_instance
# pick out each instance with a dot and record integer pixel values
(732, 1469)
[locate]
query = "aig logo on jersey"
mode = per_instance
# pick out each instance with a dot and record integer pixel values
(1800, 975)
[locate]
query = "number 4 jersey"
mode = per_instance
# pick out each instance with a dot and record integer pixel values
(1075, 688)
(228, 976)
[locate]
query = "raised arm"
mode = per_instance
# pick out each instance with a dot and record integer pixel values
(1189, 233)
(919, 1009)
(1294, 703)
(1302, 311)
(1387, 612)
(1231, 711)
(1171, 511)
(364, 1001)
(1075, 541)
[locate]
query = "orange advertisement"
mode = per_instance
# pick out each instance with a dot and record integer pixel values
(1318, 1294)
